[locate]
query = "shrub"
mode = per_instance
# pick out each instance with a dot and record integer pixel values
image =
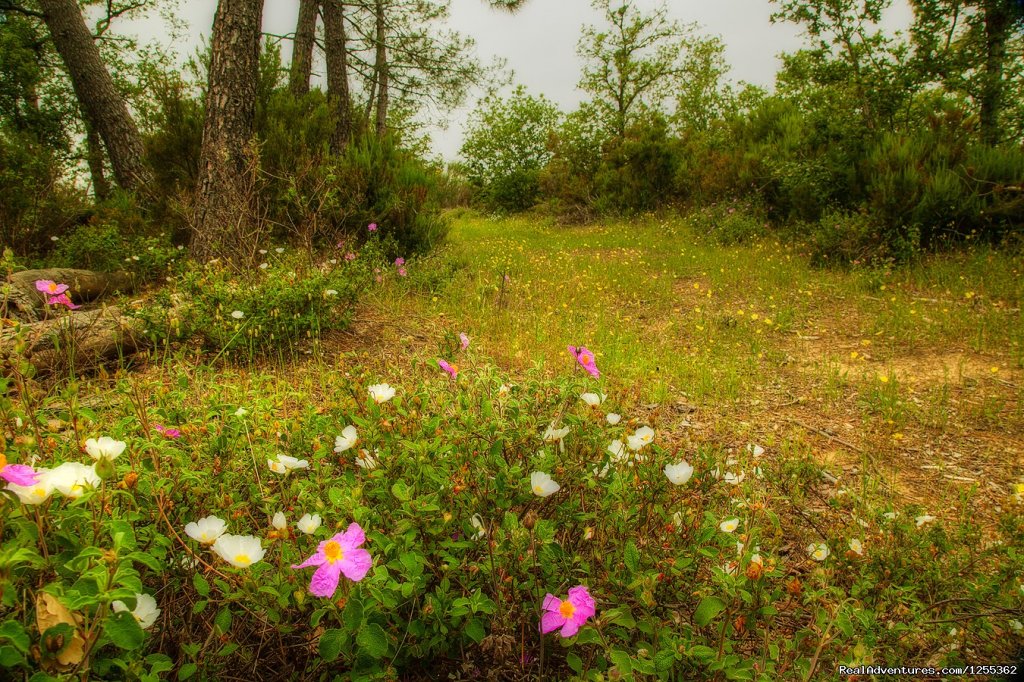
(735, 222)
(637, 172)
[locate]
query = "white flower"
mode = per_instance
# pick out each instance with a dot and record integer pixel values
(33, 494)
(755, 450)
(308, 524)
(756, 559)
(146, 611)
(346, 440)
(477, 522)
(503, 390)
(240, 551)
(331, 292)
(613, 418)
(679, 473)
(237, 314)
(818, 551)
(365, 460)
(54, 238)
(643, 436)
(759, 472)
(279, 521)
(72, 479)
(381, 393)
(1016, 625)
(923, 519)
(857, 547)
(593, 399)
(588, 533)
(677, 519)
(279, 249)
(734, 479)
(206, 530)
(889, 515)
(264, 266)
(617, 450)
(542, 484)
(285, 464)
(104, 448)
(729, 525)
(603, 471)
(552, 434)
(263, 252)
(241, 412)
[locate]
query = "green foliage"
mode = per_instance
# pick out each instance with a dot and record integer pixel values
(506, 146)
(727, 223)
(117, 237)
(638, 170)
(286, 305)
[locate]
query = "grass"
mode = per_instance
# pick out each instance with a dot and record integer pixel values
(879, 396)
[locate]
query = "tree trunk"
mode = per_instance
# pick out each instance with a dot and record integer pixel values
(95, 91)
(25, 302)
(302, 47)
(382, 72)
(338, 95)
(225, 201)
(997, 29)
(94, 156)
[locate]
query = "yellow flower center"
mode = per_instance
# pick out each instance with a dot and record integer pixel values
(539, 489)
(3, 461)
(567, 609)
(332, 551)
(242, 559)
(39, 491)
(586, 358)
(52, 286)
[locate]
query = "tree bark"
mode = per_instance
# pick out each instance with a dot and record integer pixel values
(997, 28)
(225, 200)
(382, 71)
(302, 47)
(95, 91)
(94, 156)
(338, 95)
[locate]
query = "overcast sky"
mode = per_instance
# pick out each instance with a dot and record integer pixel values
(539, 42)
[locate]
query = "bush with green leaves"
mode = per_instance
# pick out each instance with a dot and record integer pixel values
(285, 303)
(478, 497)
(726, 223)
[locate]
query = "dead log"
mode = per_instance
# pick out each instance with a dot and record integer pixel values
(85, 285)
(75, 341)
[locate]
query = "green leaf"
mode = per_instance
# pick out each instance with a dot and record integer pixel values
(147, 560)
(574, 662)
(159, 663)
(10, 657)
(201, 584)
(708, 608)
(124, 631)
(336, 496)
(631, 557)
(330, 644)
(373, 640)
(186, 671)
(15, 632)
(844, 624)
(223, 620)
(353, 615)
(400, 490)
(475, 630)
(621, 660)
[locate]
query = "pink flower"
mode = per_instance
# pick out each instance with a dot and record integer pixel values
(50, 288)
(18, 474)
(570, 614)
(401, 272)
(451, 369)
(399, 262)
(465, 340)
(62, 299)
(372, 227)
(586, 360)
(340, 554)
(350, 256)
(169, 432)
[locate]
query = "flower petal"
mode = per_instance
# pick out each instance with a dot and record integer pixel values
(19, 474)
(351, 538)
(356, 564)
(570, 628)
(315, 560)
(551, 602)
(551, 620)
(325, 580)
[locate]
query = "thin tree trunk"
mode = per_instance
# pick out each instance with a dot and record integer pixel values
(337, 73)
(997, 28)
(224, 201)
(302, 48)
(382, 72)
(94, 156)
(95, 91)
